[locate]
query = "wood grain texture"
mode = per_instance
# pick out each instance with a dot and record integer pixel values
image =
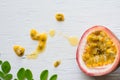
(17, 17)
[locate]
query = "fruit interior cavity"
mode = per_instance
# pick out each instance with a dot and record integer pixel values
(99, 50)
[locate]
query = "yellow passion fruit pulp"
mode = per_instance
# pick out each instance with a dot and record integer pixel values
(98, 51)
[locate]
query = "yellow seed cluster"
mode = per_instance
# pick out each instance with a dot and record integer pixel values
(19, 50)
(34, 34)
(59, 17)
(57, 63)
(42, 42)
(99, 50)
(40, 37)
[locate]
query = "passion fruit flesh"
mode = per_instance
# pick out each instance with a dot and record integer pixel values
(98, 53)
(99, 50)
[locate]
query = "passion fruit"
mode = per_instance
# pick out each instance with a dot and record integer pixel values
(98, 51)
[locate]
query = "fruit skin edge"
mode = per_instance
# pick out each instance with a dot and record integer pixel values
(111, 34)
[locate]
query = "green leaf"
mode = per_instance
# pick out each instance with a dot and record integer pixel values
(8, 77)
(6, 67)
(1, 74)
(21, 74)
(44, 75)
(53, 77)
(0, 62)
(28, 74)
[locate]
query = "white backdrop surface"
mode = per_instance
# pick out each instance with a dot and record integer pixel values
(17, 17)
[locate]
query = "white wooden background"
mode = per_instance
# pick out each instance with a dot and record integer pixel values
(17, 17)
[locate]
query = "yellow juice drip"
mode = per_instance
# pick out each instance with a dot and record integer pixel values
(73, 40)
(33, 55)
(52, 33)
(42, 38)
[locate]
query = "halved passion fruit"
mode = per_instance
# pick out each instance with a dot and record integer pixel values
(98, 51)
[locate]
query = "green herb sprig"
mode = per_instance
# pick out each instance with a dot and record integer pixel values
(5, 69)
(44, 75)
(22, 74)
